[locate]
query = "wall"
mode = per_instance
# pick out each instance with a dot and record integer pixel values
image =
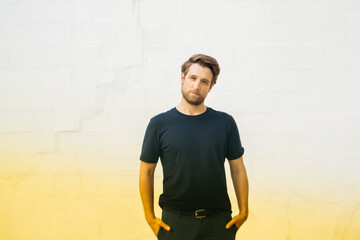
(79, 81)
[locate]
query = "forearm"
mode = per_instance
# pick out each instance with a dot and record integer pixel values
(146, 185)
(241, 186)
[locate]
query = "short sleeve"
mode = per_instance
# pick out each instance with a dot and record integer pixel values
(234, 148)
(150, 150)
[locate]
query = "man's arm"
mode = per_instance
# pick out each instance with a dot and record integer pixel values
(146, 186)
(241, 186)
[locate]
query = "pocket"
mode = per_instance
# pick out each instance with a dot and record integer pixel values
(235, 228)
(158, 233)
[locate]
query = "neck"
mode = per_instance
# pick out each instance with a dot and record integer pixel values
(188, 109)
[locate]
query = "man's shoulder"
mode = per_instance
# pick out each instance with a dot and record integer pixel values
(222, 114)
(162, 116)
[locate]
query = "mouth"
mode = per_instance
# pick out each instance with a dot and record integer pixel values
(195, 93)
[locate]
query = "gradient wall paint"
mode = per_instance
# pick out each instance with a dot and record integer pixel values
(80, 80)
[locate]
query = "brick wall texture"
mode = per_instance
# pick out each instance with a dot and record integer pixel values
(80, 79)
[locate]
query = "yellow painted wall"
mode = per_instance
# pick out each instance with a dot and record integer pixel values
(64, 196)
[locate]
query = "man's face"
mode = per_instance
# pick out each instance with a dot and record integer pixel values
(196, 84)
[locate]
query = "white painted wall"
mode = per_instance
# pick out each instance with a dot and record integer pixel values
(79, 81)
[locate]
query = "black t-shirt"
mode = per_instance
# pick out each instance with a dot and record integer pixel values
(192, 150)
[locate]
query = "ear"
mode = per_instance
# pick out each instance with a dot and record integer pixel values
(182, 78)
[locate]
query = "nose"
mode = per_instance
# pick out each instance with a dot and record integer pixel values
(196, 84)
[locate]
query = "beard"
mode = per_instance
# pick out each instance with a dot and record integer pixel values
(192, 98)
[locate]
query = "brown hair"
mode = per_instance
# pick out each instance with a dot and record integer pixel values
(204, 61)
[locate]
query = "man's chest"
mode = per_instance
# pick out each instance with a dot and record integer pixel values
(193, 137)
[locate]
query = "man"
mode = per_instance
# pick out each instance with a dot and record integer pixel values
(192, 141)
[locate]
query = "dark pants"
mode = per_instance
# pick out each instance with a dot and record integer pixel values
(192, 228)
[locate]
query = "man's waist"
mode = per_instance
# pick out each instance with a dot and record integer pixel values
(197, 213)
(188, 203)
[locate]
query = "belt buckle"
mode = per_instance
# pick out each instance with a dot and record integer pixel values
(197, 213)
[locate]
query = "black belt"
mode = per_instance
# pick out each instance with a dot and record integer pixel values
(200, 213)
